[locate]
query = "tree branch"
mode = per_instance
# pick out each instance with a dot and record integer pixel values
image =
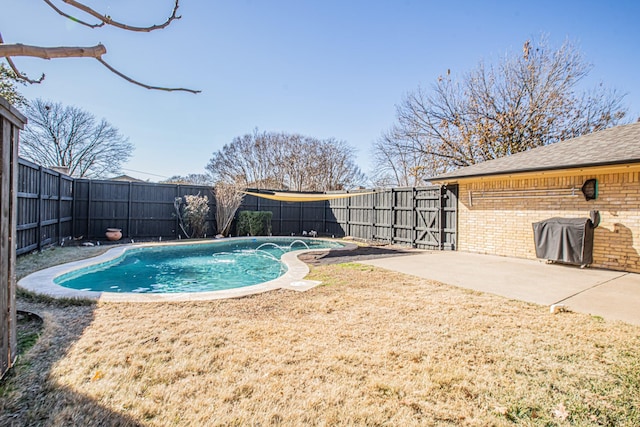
(21, 76)
(73, 18)
(8, 50)
(130, 80)
(17, 72)
(106, 19)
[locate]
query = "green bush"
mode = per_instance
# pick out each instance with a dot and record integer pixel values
(254, 223)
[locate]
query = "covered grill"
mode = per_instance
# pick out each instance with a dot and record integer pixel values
(568, 240)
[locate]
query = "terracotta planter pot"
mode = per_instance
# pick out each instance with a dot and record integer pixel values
(113, 234)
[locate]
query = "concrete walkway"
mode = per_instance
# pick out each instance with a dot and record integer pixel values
(614, 295)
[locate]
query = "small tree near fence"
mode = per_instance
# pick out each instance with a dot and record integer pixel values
(254, 223)
(228, 200)
(192, 215)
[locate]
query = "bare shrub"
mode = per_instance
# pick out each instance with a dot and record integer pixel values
(228, 200)
(193, 215)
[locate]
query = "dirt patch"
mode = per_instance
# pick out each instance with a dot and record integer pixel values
(28, 329)
(361, 253)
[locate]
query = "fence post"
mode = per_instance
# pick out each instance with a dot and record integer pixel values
(414, 217)
(348, 215)
(324, 215)
(392, 219)
(11, 121)
(88, 209)
(372, 212)
(301, 217)
(177, 213)
(40, 198)
(73, 209)
(129, 209)
(59, 210)
(444, 195)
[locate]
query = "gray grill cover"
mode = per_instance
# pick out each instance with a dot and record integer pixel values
(567, 240)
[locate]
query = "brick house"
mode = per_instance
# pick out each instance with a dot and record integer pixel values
(499, 200)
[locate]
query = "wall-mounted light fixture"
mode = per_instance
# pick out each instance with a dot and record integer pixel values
(590, 189)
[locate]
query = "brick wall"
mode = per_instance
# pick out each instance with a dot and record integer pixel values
(498, 217)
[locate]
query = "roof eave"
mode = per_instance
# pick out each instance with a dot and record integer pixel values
(622, 165)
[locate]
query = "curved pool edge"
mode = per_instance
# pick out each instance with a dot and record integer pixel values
(42, 282)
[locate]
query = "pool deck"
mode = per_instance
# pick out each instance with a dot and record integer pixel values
(42, 282)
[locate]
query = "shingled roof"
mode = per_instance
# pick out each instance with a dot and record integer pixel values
(614, 146)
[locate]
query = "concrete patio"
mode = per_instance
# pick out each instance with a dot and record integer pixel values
(613, 295)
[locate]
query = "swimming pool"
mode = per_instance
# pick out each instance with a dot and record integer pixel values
(174, 271)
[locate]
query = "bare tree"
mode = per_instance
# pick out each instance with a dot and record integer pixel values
(333, 166)
(286, 162)
(526, 101)
(192, 178)
(245, 161)
(228, 200)
(399, 162)
(72, 138)
(9, 51)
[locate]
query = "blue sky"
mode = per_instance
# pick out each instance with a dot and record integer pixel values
(320, 68)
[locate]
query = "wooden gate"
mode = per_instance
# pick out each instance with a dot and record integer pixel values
(435, 226)
(422, 217)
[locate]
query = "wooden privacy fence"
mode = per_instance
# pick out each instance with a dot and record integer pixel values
(294, 218)
(11, 121)
(45, 202)
(142, 210)
(424, 217)
(53, 207)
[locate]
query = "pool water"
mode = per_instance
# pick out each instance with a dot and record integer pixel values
(202, 267)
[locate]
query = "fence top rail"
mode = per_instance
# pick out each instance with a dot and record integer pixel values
(10, 113)
(385, 190)
(143, 183)
(35, 166)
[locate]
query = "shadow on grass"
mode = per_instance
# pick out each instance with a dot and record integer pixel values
(30, 394)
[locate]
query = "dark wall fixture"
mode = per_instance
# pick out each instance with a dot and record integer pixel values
(590, 189)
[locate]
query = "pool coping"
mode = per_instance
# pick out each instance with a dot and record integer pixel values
(42, 282)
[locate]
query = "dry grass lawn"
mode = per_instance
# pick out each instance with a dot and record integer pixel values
(369, 347)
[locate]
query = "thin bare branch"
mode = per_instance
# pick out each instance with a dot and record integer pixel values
(17, 72)
(135, 82)
(23, 76)
(106, 19)
(73, 18)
